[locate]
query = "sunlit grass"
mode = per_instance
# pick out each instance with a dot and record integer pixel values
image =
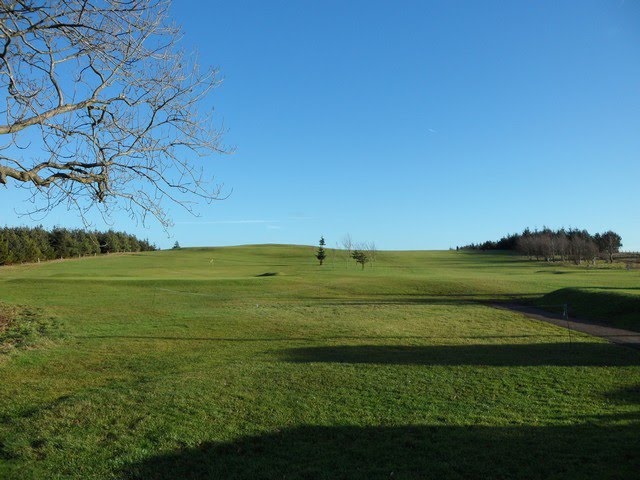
(193, 364)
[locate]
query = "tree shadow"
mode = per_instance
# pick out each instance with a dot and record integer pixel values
(530, 354)
(612, 288)
(407, 452)
(420, 299)
(604, 306)
(626, 396)
(316, 338)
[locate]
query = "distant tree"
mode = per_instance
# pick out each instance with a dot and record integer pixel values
(581, 246)
(176, 246)
(562, 243)
(609, 243)
(4, 246)
(360, 257)
(371, 251)
(347, 244)
(62, 242)
(508, 242)
(525, 245)
(547, 244)
(321, 254)
(488, 245)
(113, 242)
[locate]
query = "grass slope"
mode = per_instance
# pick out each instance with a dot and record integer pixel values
(195, 364)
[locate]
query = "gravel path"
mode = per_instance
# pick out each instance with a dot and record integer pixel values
(627, 338)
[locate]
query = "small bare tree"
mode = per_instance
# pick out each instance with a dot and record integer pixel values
(563, 245)
(101, 106)
(347, 244)
(371, 251)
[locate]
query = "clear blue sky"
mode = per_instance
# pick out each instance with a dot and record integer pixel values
(417, 125)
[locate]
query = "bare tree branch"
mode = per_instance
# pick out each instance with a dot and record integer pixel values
(105, 105)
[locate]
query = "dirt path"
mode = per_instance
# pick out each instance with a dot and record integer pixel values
(627, 338)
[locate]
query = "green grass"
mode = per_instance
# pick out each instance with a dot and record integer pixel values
(254, 362)
(23, 327)
(616, 306)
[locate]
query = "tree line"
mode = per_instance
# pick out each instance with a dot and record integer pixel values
(35, 244)
(551, 245)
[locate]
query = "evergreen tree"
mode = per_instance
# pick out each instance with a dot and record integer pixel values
(321, 254)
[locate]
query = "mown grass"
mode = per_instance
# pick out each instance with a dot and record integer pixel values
(195, 364)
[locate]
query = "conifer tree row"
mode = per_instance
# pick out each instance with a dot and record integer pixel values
(35, 244)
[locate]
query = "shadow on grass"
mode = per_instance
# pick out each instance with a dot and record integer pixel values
(600, 305)
(420, 299)
(439, 452)
(626, 396)
(614, 288)
(531, 354)
(317, 338)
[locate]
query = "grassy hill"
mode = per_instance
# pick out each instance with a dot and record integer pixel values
(255, 362)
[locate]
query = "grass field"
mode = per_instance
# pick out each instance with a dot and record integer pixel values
(254, 362)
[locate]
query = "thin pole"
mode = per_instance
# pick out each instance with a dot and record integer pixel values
(565, 315)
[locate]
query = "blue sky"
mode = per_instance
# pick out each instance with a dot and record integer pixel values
(416, 125)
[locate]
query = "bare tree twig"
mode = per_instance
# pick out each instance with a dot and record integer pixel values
(111, 102)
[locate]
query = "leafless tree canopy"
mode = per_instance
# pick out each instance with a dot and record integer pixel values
(100, 107)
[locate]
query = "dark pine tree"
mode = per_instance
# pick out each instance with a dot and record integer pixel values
(321, 254)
